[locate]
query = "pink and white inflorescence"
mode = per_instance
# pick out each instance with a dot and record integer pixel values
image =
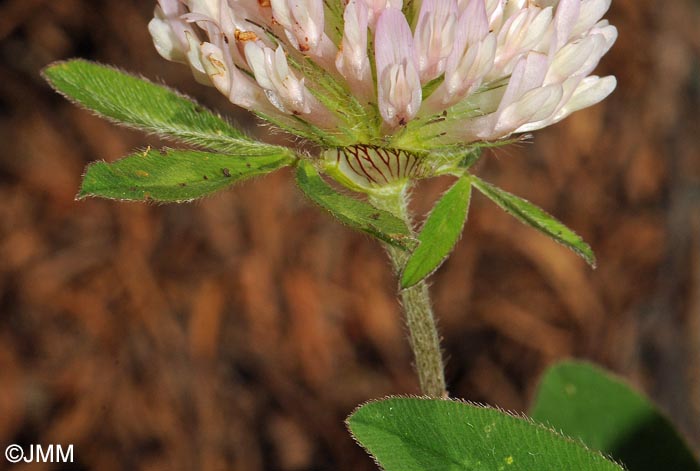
(385, 72)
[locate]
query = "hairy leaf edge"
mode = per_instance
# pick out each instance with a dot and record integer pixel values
(403, 286)
(237, 133)
(514, 414)
(588, 256)
(85, 195)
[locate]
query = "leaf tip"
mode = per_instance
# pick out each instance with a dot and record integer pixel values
(589, 256)
(84, 193)
(50, 71)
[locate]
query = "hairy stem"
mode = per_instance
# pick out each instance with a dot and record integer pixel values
(424, 337)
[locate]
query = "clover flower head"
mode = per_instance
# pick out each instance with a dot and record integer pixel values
(394, 80)
(388, 92)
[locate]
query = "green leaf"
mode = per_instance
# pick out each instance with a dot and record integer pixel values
(356, 214)
(409, 434)
(535, 217)
(440, 233)
(173, 175)
(143, 105)
(586, 402)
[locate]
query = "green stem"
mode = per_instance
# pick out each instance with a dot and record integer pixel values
(423, 332)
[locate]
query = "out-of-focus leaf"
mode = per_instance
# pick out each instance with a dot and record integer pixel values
(173, 175)
(356, 214)
(585, 402)
(410, 434)
(440, 233)
(535, 217)
(141, 104)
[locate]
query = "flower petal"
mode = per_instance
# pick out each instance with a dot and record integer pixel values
(565, 18)
(352, 60)
(165, 40)
(528, 74)
(591, 12)
(591, 91)
(435, 36)
(398, 84)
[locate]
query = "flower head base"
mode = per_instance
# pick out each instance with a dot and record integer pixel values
(421, 78)
(363, 166)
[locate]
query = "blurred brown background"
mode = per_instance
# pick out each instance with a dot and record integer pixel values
(238, 332)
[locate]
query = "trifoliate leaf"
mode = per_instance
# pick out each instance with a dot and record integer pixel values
(440, 233)
(174, 175)
(535, 217)
(410, 434)
(143, 105)
(585, 402)
(356, 214)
